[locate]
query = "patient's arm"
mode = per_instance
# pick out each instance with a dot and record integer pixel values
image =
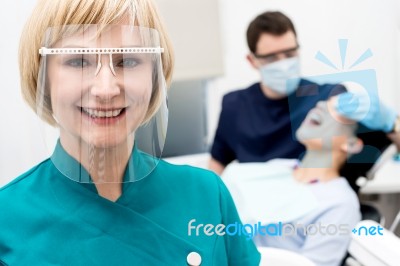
(216, 166)
(329, 250)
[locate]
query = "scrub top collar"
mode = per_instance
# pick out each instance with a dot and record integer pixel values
(139, 164)
(112, 218)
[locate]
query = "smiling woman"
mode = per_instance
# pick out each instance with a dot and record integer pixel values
(101, 93)
(98, 71)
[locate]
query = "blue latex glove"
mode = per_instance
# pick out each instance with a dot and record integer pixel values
(366, 109)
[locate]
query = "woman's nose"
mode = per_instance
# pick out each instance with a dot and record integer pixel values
(105, 83)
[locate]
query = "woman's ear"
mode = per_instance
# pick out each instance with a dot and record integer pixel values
(352, 146)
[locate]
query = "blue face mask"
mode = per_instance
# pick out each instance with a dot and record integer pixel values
(283, 76)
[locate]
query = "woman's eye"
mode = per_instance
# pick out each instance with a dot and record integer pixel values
(78, 62)
(128, 62)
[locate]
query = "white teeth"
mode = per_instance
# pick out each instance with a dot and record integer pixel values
(116, 112)
(315, 118)
(101, 114)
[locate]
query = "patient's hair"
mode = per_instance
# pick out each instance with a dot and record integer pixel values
(271, 22)
(375, 143)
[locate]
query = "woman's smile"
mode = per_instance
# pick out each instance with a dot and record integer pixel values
(103, 116)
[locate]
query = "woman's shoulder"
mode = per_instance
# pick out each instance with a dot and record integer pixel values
(191, 180)
(187, 173)
(25, 179)
(19, 199)
(197, 191)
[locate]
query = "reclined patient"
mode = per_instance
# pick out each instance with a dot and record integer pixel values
(305, 207)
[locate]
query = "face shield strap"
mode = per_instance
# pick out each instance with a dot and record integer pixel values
(132, 50)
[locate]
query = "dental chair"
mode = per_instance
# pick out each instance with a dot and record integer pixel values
(281, 257)
(374, 250)
(365, 163)
(369, 212)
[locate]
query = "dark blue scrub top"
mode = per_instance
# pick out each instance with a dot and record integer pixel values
(253, 128)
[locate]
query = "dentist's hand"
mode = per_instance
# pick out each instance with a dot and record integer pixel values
(366, 109)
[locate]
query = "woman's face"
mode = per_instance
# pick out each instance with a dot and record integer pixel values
(323, 127)
(99, 99)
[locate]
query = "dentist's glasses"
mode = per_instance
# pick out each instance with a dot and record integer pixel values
(270, 58)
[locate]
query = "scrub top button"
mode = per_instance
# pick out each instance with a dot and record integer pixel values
(193, 259)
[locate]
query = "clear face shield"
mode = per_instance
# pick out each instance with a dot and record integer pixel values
(103, 85)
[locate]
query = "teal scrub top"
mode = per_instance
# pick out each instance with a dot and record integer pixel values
(48, 219)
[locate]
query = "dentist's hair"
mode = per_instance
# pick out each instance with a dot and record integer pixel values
(271, 22)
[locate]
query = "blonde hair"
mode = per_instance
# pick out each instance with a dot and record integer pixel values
(51, 13)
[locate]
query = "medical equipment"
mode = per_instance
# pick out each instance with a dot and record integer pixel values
(281, 257)
(374, 250)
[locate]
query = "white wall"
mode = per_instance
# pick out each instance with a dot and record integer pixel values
(197, 51)
(19, 137)
(366, 23)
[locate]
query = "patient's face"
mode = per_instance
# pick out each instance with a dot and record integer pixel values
(323, 127)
